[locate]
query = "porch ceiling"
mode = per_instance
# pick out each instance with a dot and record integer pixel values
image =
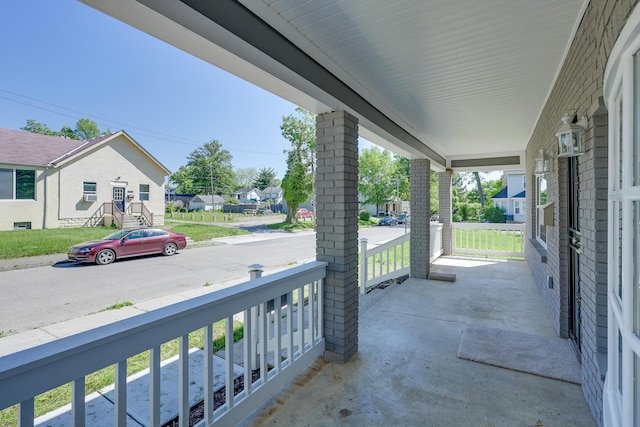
(460, 82)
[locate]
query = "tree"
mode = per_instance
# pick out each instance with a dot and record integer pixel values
(37, 127)
(298, 182)
(245, 177)
(402, 177)
(85, 129)
(376, 170)
(264, 178)
(208, 170)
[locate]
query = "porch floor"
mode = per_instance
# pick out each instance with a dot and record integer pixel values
(407, 372)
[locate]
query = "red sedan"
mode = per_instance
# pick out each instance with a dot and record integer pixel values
(128, 243)
(304, 213)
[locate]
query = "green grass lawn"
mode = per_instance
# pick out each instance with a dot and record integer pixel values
(215, 217)
(24, 243)
(491, 240)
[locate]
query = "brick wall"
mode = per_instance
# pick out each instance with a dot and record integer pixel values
(337, 229)
(420, 217)
(578, 88)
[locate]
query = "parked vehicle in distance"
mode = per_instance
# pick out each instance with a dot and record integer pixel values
(128, 243)
(435, 217)
(264, 211)
(404, 218)
(304, 212)
(388, 220)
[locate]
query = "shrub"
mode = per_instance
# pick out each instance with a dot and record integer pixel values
(365, 215)
(494, 214)
(231, 201)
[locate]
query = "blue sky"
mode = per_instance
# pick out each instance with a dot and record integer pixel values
(63, 61)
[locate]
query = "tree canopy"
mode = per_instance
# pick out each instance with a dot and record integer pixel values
(297, 184)
(245, 177)
(208, 171)
(264, 178)
(376, 181)
(85, 129)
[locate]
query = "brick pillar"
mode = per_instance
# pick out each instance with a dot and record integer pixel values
(420, 217)
(337, 229)
(445, 210)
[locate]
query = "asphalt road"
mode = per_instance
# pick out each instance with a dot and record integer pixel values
(42, 296)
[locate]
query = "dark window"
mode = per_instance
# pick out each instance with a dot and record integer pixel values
(17, 184)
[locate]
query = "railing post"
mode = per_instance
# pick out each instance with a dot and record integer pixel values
(364, 273)
(255, 272)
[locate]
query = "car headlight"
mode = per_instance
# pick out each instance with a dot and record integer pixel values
(85, 251)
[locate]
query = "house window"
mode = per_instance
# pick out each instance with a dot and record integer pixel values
(144, 192)
(524, 182)
(516, 207)
(541, 201)
(622, 93)
(22, 226)
(90, 188)
(17, 184)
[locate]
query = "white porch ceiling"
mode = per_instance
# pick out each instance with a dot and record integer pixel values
(448, 80)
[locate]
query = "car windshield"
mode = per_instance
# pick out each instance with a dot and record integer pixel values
(117, 235)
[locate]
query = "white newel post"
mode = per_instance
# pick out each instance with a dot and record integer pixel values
(363, 265)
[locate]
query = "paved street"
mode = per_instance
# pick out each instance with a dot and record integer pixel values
(41, 296)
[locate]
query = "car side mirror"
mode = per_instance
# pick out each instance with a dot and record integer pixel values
(124, 239)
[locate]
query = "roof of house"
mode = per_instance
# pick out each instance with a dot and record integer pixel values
(502, 194)
(520, 195)
(32, 149)
(209, 198)
(246, 190)
(272, 190)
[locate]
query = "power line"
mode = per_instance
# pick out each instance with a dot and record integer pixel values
(140, 131)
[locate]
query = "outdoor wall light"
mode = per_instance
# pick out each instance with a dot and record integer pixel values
(570, 136)
(543, 163)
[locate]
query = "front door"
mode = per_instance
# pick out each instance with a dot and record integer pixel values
(575, 297)
(118, 197)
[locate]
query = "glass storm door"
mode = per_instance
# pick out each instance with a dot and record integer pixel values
(575, 297)
(118, 197)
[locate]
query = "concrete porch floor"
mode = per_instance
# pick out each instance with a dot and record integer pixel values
(407, 372)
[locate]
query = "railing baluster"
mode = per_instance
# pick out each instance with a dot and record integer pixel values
(120, 391)
(290, 327)
(77, 402)
(277, 335)
(248, 356)
(25, 413)
(183, 381)
(228, 354)
(154, 387)
(301, 319)
(263, 342)
(320, 307)
(208, 374)
(312, 311)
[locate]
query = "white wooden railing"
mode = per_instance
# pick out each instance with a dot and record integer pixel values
(489, 239)
(28, 373)
(391, 259)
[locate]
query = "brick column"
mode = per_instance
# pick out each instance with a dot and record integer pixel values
(337, 229)
(445, 210)
(420, 217)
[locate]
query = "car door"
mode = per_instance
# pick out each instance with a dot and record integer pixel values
(134, 243)
(156, 239)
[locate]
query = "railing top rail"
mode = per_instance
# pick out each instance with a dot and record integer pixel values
(488, 226)
(36, 370)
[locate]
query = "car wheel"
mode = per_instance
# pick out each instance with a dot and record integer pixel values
(169, 249)
(105, 256)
